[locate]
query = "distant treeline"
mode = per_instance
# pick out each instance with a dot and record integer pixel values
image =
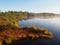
(19, 15)
(13, 16)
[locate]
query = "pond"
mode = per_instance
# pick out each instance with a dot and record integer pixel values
(53, 25)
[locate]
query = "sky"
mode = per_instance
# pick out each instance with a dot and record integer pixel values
(37, 6)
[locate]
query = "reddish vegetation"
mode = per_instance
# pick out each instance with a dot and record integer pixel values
(19, 34)
(15, 33)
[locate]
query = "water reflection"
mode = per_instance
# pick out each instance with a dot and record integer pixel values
(53, 26)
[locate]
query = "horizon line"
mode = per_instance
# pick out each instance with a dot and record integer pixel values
(27, 11)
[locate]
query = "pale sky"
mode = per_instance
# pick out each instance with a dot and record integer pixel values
(38, 6)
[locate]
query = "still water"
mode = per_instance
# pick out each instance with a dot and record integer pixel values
(53, 26)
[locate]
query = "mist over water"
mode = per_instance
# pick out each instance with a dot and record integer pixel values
(53, 25)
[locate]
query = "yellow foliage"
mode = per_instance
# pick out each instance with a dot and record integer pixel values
(0, 42)
(16, 24)
(8, 40)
